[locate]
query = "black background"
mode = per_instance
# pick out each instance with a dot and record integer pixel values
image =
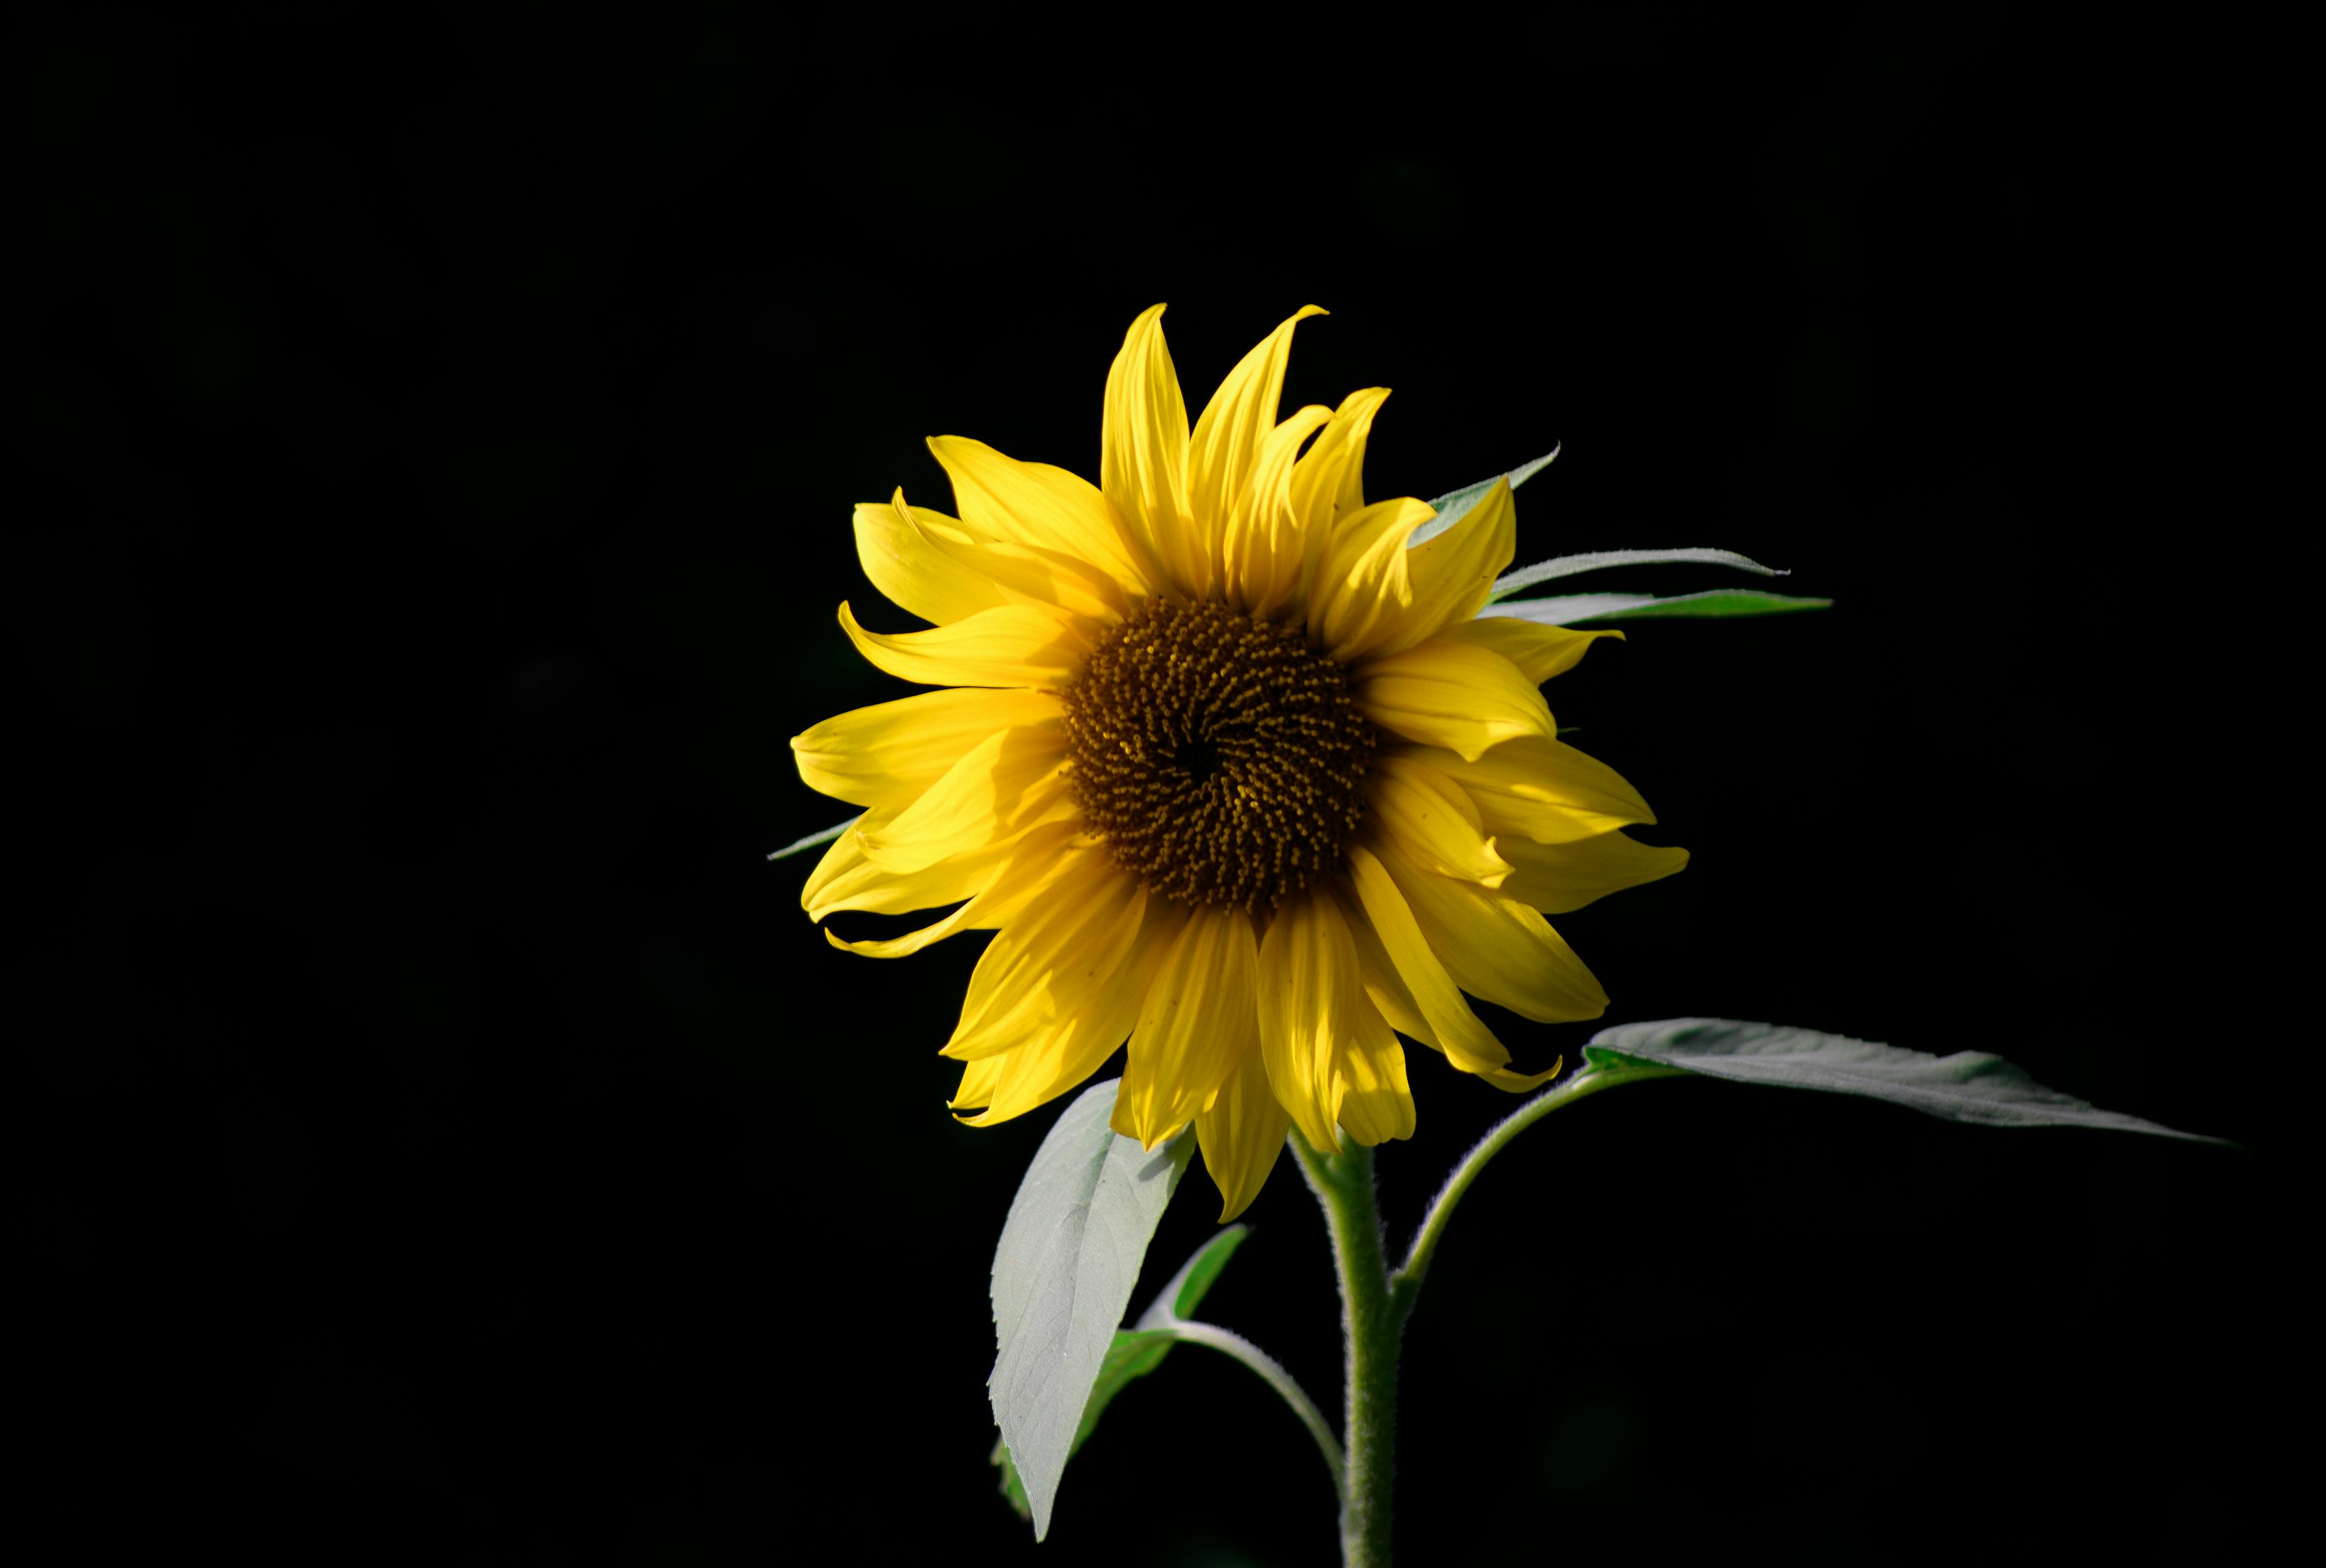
(441, 1136)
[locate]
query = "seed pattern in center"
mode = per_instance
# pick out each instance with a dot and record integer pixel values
(1220, 756)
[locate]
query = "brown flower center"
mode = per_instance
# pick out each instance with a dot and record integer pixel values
(1220, 758)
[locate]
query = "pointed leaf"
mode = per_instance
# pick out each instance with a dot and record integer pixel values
(1179, 1299)
(1454, 505)
(1557, 566)
(1063, 1274)
(1971, 1086)
(1569, 610)
(1136, 1352)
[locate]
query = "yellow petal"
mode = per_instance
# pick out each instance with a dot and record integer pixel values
(1538, 651)
(904, 564)
(979, 1082)
(1364, 588)
(844, 880)
(1015, 646)
(1262, 545)
(888, 754)
(1061, 1055)
(1370, 1094)
(1241, 1133)
(1226, 446)
(1433, 820)
(1040, 508)
(1394, 1000)
(1310, 999)
(1006, 783)
(1143, 456)
(1542, 788)
(1452, 1026)
(1496, 947)
(1453, 573)
(1035, 861)
(1557, 878)
(1465, 698)
(1041, 966)
(1327, 484)
(1196, 1019)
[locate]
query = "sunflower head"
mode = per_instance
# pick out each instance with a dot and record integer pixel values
(1225, 761)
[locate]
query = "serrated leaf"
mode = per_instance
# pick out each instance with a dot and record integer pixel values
(821, 836)
(1454, 505)
(1569, 610)
(1559, 566)
(1063, 1275)
(1136, 1351)
(1968, 1086)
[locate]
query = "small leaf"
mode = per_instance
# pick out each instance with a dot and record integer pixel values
(823, 836)
(1568, 609)
(1179, 1299)
(1063, 1274)
(1557, 566)
(1137, 1352)
(1454, 505)
(1970, 1086)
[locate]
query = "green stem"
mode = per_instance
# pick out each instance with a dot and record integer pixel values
(1231, 1343)
(1406, 1283)
(1371, 1325)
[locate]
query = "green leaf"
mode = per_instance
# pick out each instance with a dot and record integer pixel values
(1970, 1086)
(1179, 1299)
(1568, 609)
(1063, 1274)
(1510, 582)
(1454, 505)
(821, 836)
(1136, 1352)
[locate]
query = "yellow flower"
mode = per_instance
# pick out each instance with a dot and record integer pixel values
(1228, 769)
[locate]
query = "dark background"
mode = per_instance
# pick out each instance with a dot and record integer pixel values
(441, 1135)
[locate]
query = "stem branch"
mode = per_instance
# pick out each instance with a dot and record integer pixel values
(1407, 1282)
(1229, 1342)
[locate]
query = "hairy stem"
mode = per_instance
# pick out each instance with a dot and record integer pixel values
(1372, 1325)
(1228, 1342)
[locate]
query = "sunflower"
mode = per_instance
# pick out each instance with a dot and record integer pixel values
(1229, 766)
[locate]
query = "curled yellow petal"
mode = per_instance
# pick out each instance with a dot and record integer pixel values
(1013, 646)
(1043, 966)
(1452, 573)
(1327, 482)
(1452, 1026)
(1042, 508)
(1538, 651)
(1033, 862)
(1007, 782)
(1540, 787)
(1433, 820)
(1196, 1020)
(1225, 447)
(1496, 947)
(905, 563)
(888, 754)
(1466, 699)
(1363, 587)
(844, 880)
(1263, 543)
(1241, 1133)
(1143, 456)
(1055, 1057)
(1558, 877)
